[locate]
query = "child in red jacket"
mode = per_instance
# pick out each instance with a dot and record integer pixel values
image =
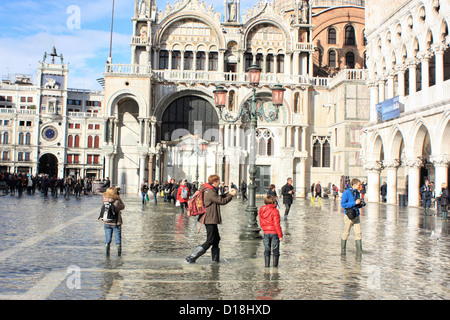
(269, 220)
(183, 195)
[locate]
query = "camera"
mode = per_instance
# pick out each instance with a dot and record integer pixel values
(361, 204)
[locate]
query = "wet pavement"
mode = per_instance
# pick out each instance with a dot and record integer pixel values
(54, 249)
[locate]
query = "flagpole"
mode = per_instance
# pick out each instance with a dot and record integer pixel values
(112, 26)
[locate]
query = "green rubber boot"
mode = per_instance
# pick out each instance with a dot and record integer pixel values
(358, 246)
(343, 245)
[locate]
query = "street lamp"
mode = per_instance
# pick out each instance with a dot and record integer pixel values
(251, 114)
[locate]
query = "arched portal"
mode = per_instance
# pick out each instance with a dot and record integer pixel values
(420, 167)
(189, 114)
(128, 135)
(48, 164)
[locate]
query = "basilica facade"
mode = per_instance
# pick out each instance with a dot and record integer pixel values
(160, 117)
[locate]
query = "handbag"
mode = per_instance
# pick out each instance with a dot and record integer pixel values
(177, 204)
(351, 213)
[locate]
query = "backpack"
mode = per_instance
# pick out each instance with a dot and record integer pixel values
(184, 193)
(107, 212)
(196, 206)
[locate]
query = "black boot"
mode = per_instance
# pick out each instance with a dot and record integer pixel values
(119, 249)
(215, 254)
(275, 261)
(107, 248)
(267, 261)
(198, 251)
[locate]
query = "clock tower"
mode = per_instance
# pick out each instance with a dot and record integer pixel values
(52, 109)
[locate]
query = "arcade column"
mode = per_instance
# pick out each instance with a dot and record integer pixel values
(414, 165)
(391, 168)
(373, 169)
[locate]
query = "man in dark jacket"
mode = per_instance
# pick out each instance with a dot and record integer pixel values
(243, 190)
(425, 192)
(212, 201)
(287, 191)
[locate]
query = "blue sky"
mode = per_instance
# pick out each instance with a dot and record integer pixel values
(80, 30)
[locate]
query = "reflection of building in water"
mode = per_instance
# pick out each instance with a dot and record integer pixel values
(154, 105)
(408, 59)
(49, 128)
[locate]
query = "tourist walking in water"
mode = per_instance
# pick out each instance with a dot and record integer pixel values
(111, 196)
(425, 192)
(183, 195)
(444, 201)
(212, 201)
(351, 203)
(269, 220)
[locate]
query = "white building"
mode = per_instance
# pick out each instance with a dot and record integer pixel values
(409, 82)
(48, 128)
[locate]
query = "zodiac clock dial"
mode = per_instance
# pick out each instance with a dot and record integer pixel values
(49, 133)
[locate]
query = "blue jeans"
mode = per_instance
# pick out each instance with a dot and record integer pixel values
(109, 229)
(271, 241)
(426, 203)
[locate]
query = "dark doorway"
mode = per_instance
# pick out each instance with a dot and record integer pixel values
(262, 179)
(184, 112)
(48, 164)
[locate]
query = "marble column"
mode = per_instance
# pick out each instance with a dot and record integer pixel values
(440, 163)
(390, 85)
(414, 165)
(158, 167)
(439, 50)
(142, 158)
(425, 62)
(412, 65)
(401, 69)
(373, 169)
(381, 90)
(153, 135)
(301, 193)
(226, 143)
(111, 131)
(391, 168)
(373, 92)
(296, 138)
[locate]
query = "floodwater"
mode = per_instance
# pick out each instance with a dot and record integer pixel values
(54, 249)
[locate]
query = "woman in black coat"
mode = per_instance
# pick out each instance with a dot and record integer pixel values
(444, 201)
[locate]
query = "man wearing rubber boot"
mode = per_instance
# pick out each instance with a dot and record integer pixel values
(211, 218)
(351, 203)
(426, 193)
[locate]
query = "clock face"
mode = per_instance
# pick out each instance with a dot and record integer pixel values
(49, 133)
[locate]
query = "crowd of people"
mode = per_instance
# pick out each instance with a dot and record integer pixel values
(180, 191)
(20, 183)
